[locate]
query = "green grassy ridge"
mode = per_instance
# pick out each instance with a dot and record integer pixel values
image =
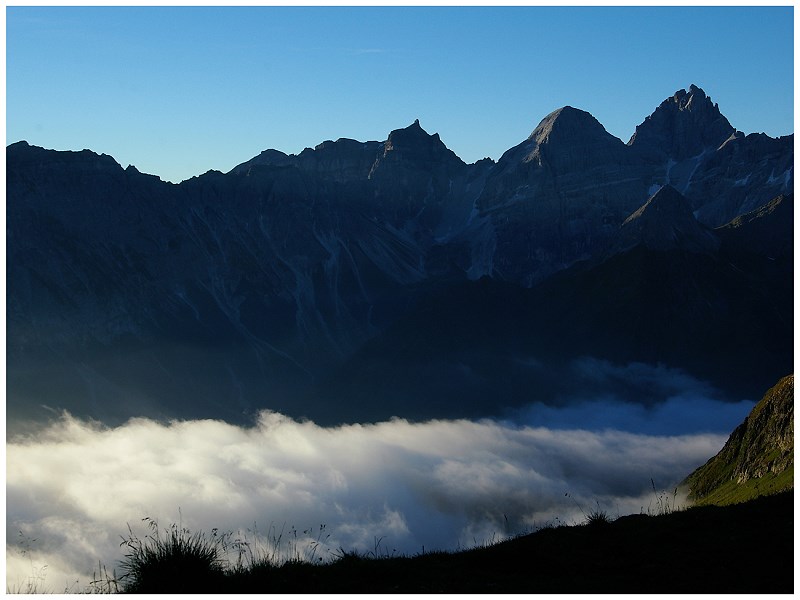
(741, 548)
(761, 445)
(732, 492)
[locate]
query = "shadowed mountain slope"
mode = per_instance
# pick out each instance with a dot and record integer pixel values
(721, 316)
(666, 222)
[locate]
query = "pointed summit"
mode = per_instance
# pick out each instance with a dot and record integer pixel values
(666, 222)
(413, 135)
(683, 126)
(413, 145)
(568, 124)
(563, 135)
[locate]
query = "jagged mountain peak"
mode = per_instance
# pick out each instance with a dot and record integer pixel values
(695, 100)
(415, 146)
(695, 94)
(684, 125)
(412, 135)
(666, 222)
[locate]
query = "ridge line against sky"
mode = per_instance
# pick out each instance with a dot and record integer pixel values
(177, 91)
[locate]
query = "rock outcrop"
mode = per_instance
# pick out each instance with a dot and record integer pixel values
(758, 457)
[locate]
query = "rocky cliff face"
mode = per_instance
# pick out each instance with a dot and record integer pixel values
(766, 438)
(743, 174)
(758, 457)
(683, 126)
(230, 292)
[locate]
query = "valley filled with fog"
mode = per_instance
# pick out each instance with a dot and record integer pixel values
(393, 487)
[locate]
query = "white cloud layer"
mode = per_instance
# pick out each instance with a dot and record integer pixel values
(72, 488)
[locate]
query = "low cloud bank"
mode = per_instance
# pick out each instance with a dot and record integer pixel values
(394, 486)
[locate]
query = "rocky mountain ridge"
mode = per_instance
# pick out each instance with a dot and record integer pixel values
(269, 278)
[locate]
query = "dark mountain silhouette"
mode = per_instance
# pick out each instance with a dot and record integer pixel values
(317, 283)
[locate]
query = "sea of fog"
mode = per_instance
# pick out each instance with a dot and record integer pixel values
(396, 487)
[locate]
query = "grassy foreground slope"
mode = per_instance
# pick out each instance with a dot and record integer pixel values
(738, 538)
(743, 548)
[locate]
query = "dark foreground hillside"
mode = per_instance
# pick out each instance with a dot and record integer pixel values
(743, 548)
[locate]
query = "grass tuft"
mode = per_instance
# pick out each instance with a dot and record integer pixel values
(175, 561)
(597, 518)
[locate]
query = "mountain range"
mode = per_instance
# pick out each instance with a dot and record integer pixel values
(362, 280)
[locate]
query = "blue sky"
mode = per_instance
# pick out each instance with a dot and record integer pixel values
(178, 91)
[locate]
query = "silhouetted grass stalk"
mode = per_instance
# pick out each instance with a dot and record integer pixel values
(664, 504)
